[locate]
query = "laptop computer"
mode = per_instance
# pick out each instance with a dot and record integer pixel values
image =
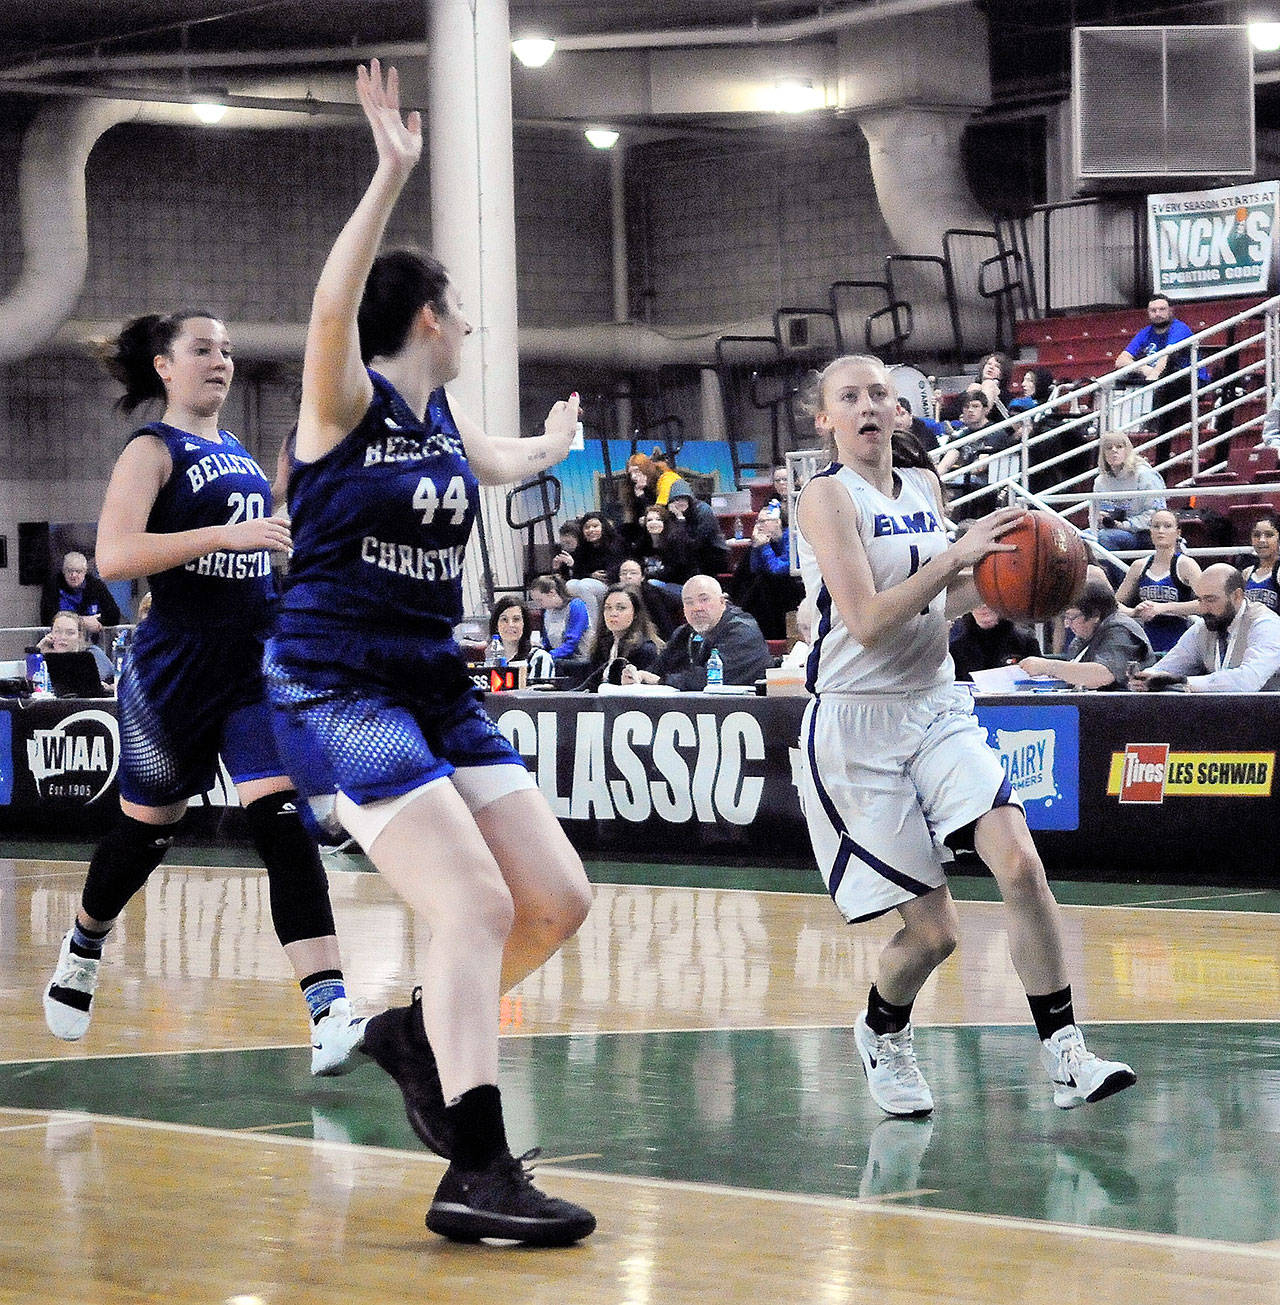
(75, 675)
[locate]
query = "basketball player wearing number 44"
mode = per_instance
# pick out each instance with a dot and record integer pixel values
(897, 774)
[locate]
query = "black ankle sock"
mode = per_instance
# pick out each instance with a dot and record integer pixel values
(884, 1017)
(87, 942)
(1052, 1012)
(475, 1119)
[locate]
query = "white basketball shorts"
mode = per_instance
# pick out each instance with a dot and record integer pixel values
(883, 781)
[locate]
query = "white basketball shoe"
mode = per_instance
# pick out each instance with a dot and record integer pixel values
(335, 1039)
(68, 998)
(1078, 1075)
(896, 1083)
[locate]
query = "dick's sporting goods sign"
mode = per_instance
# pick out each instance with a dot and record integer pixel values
(1210, 243)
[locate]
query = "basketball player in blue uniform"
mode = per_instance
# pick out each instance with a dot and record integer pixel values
(374, 708)
(188, 507)
(896, 772)
(1260, 579)
(1159, 589)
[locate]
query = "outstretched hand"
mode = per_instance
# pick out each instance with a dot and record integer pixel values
(398, 141)
(562, 422)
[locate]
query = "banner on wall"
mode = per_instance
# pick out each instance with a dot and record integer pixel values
(1209, 243)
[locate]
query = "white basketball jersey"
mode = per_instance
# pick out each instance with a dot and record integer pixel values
(900, 535)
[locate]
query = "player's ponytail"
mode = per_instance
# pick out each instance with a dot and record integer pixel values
(130, 357)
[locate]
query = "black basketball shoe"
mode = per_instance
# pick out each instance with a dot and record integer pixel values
(501, 1201)
(398, 1043)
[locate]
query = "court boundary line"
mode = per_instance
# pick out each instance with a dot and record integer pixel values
(1149, 903)
(1265, 1251)
(621, 1033)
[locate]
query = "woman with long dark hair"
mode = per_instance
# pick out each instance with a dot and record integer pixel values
(372, 695)
(626, 634)
(188, 507)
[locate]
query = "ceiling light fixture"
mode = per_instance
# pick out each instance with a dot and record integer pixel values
(1265, 36)
(797, 95)
(603, 138)
(533, 51)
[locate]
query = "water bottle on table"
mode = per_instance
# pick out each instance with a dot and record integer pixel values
(41, 685)
(715, 668)
(494, 656)
(118, 646)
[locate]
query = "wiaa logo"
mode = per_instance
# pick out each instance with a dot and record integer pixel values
(77, 759)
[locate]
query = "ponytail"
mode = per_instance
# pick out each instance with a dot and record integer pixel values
(130, 357)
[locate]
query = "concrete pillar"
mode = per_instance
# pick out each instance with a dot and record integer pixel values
(473, 224)
(621, 271)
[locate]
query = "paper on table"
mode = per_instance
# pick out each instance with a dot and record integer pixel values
(1008, 679)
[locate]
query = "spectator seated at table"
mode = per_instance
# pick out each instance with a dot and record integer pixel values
(1104, 643)
(1159, 589)
(512, 623)
(710, 623)
(762, 581)
(797, 657)
(566, 623)
(68, 633)
(626, 637)
(1122, 519)
(76, 589)
(982, 639)
(1232, 647)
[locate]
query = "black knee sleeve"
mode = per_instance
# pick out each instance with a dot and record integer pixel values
(299, 890)
(121, 865)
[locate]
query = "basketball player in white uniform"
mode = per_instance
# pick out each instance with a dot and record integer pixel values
(897, 772)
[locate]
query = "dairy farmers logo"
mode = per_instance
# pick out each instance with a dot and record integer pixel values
(77, 759)
(1039, 748)
(1150, 772)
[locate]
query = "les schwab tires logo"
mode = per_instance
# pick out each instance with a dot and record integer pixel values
(1150, 772)
(76, 760)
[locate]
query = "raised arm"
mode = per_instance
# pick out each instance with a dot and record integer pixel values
(336, 389)
(126, 550)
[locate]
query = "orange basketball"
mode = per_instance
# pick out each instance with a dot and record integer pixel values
(1041, 578)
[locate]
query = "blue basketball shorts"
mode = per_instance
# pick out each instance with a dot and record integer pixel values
(369, 740)
(185, 699)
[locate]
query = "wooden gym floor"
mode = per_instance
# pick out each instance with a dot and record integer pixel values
(687, 1067)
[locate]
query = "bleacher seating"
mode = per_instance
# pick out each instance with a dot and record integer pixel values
(1082, 346)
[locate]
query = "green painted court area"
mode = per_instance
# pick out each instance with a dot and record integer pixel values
(1194, 1150)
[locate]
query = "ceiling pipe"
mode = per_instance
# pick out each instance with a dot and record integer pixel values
(53, 212)
(755, 33)
(622, 346)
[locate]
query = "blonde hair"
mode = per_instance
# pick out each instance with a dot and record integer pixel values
(813, 391)
(1119, 440)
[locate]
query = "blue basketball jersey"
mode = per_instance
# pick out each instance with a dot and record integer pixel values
(380, 525)
(212, 484)
(1262, 587)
